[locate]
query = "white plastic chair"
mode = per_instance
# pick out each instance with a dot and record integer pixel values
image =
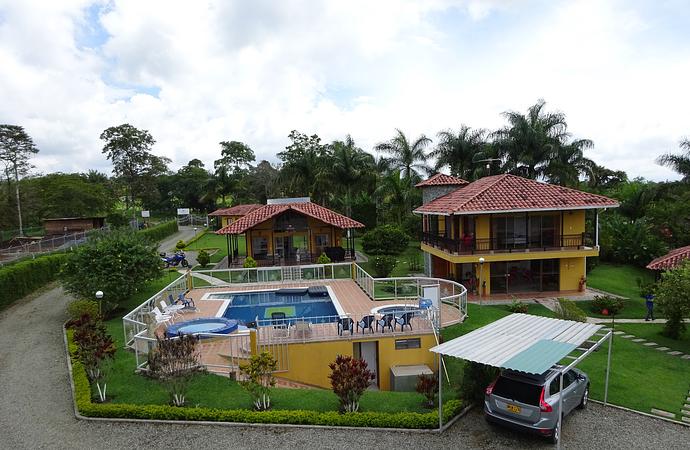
(160, 317)
(172, 310)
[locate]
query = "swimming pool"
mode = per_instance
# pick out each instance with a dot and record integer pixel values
(317, 305)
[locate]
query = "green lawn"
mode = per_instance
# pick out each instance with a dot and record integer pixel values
(641, 378)
(402, 268)
(620, 280)
(652, 332)
(210, 240)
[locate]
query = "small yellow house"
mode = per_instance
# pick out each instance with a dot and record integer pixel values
(234, 213)
(506, 234)
(292, 231)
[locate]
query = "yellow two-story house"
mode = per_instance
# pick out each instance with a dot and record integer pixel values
(505, 234)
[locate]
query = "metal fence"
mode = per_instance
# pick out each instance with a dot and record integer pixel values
(282, 274)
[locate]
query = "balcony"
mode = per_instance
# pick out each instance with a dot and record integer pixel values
(473, 246)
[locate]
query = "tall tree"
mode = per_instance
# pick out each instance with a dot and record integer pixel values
(529, 140)
(349, 168)
(599, 177)
(234, 163)
(128, 148)
(408, 157)
(678, 162)
(395, 195)
(304, 170)
(460, 151)
(16, 148)
(567, 162)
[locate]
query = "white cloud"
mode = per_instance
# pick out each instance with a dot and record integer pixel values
(253, 71)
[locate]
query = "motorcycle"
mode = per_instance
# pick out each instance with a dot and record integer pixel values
(178, 259)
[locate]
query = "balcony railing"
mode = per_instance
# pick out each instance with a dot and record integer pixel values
(470, 246)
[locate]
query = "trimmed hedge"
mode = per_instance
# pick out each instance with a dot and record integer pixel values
(82, 393)
(160, 232)
(24, 277)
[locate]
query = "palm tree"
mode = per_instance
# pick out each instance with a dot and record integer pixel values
(460, 152)
(407, 157)
(529, 140)
(350, 166)
(679, 163)
(567, 162)
(395, 193)
(599, 177)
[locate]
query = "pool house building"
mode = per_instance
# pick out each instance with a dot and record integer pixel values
(290, 231)
(504, 234)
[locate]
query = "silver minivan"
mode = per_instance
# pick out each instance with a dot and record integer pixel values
(530, 402)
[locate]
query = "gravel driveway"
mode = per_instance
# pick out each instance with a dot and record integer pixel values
(36, 410)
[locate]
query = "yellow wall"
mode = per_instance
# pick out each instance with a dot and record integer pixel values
(482, 227)
(572, 269)
(573, 222)
(308, 363)
(265, 230)
(485, 277)
(441, 225)
(516, 256)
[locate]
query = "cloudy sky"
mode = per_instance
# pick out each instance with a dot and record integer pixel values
(195, 73)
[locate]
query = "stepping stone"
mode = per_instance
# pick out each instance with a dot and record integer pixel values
(639, 340)
(675, 353)
(684, 411)
(650, 344)
(628, 336)
(619, 332)
(685, 357)
(662, 413)
(661, 349)
(685, 419)
(606, 329)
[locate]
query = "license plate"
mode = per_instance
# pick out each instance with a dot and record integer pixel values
(513, 408)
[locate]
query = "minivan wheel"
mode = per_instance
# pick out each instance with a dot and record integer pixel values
(585, 399)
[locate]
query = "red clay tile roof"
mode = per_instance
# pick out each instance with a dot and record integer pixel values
(506, 193)
(268, 211)
(237, 210)
(670, 260)
(441, 179)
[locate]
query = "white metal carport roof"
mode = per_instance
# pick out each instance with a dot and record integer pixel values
(523, 342)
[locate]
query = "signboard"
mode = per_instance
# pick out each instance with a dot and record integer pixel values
(183, 211)
(146, 214)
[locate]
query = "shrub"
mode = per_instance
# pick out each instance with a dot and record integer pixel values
(385, 240)
(203, 258)
(161, 231)
(180, 245)
(174, 362)
(612, 305)
(673, 298)
(119, 263)
(249, 263)
(78, 308)
(260, 379)
(568, 310)
(518, 307)
(414, 262)
(95, 349)
(383, 265)
(475, 379)
(349, 377)
(323, 259)
(646, 288)
(24, 277)
(427, 385)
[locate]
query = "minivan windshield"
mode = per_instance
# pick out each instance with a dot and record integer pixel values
(517, 390)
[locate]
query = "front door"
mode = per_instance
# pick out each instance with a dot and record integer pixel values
(369, 352)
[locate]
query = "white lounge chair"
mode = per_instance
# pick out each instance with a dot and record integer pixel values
(160, 317)
(171, 310)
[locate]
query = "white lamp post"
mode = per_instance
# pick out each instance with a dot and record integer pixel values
(481, 273)
(99, 297)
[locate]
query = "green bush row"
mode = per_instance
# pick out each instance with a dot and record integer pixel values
(88, 408)
(160, 232)
(24, 277)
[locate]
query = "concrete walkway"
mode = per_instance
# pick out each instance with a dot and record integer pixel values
(185, 233)
(211, 280)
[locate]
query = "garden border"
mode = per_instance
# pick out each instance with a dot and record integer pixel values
(624, 408)
(79, 416)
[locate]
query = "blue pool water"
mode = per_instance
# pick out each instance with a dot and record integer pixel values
(246, 307)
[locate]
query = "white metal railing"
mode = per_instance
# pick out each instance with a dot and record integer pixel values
(218, 353)
(405, 290)
(45, 245)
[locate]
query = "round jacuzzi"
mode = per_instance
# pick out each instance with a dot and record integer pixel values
(216, 325)
(396, 309)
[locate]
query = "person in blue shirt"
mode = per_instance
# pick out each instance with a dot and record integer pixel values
(649, 301)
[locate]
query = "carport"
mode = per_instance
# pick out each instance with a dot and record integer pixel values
(530, 344)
